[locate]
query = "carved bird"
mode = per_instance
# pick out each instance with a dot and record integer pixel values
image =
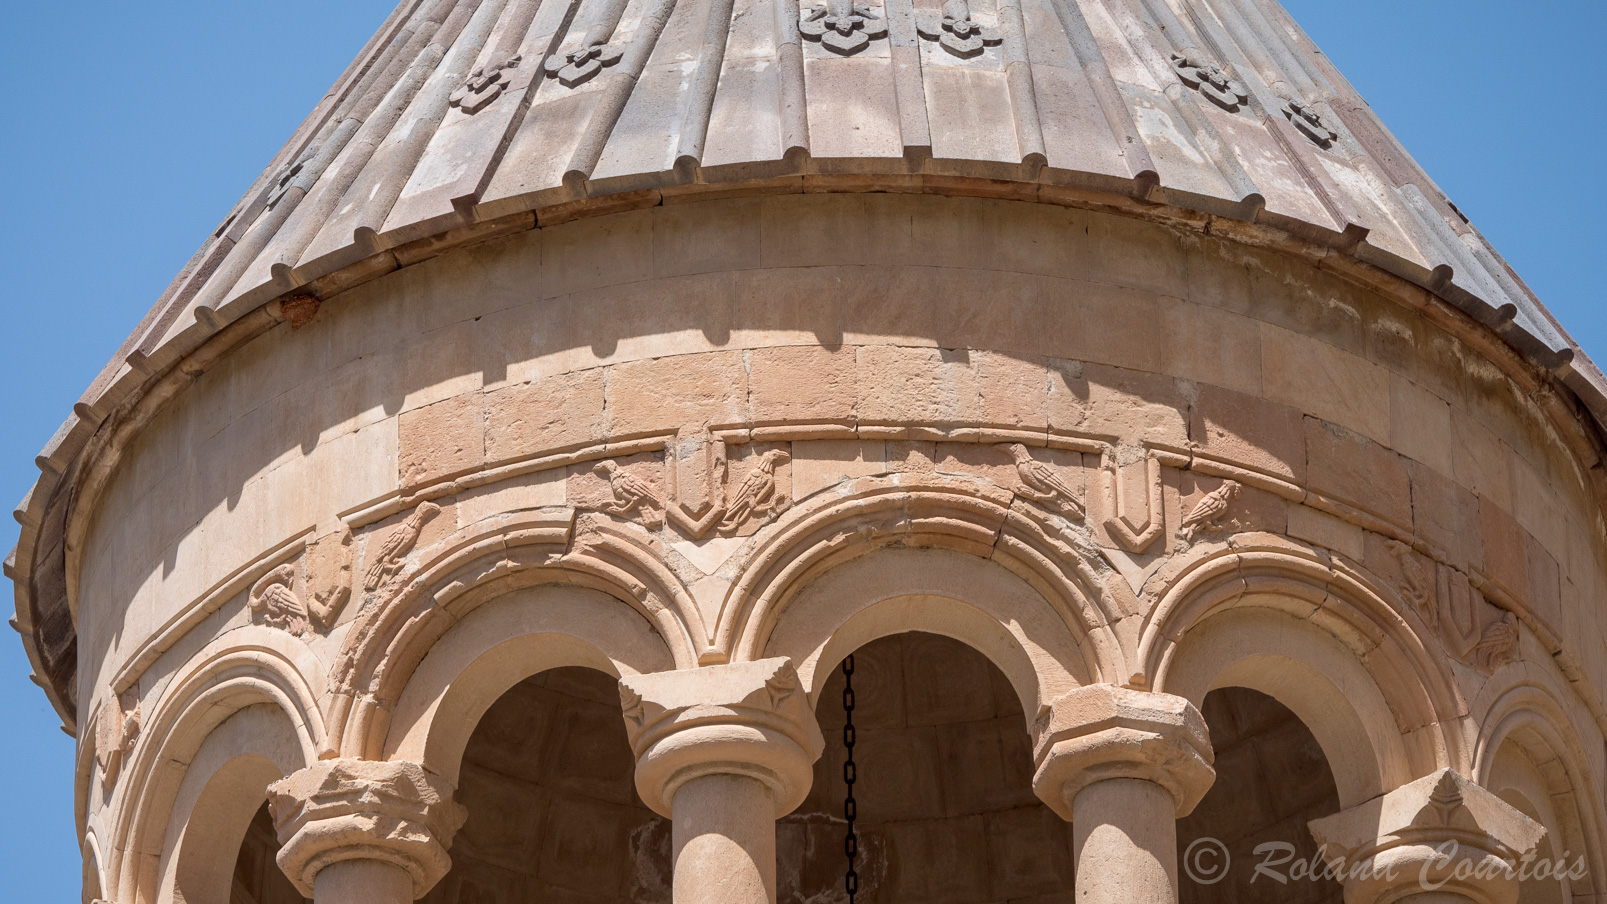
(1041, 483)
(630, 491)
(1498, 645)
(273, 600)
(396, 546)
(757, 494)
(1211, 506)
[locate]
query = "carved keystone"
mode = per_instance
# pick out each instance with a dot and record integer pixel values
(1103, 732)
(1439, 833)
(348, 809)
(747, 718)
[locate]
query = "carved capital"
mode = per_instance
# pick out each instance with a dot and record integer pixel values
(348, 809)
(1103, 731)
(1439, 833)
(747, 718)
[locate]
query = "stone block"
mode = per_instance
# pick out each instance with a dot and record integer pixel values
(903, 385)
(1326, 381)
(1012, 390)
(1446, 514)
(667, 394)
(441, 439)
(529, 491)
(1353, 469)
(1420, 424)
(818, 464)
(1250, 431)
(1029, 853)
(801, 383)
(701, 238)
(1135, 406)
(440, 364)
(1506, 557)
(600, 251)
(1212, 346)
(1479, 460)
(1325, 530)
(545, 416)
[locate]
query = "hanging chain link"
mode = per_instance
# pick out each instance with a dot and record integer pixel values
(850, 775)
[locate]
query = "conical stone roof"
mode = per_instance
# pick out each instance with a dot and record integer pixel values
(467, 118)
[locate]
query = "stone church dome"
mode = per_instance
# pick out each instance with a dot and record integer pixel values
(690, 347)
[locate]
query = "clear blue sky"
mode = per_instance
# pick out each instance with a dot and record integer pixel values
(136, 126)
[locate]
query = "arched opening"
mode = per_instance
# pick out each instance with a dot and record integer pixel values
(257, 876)
(548, 780)
(946, 811)
(1271, 779)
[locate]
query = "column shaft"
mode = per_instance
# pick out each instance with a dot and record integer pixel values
(725, 841)
(1125, 843)
(363, 882)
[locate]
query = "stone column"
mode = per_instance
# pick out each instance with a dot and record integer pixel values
(364, 832)
(1123, 765)
(1438, 840)
(723, 751)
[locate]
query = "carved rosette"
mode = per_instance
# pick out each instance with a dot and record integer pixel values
(485, 84)
(1310, 123)
(842, 26)
(579, 65)
(1441, 832)
(1103, 731)
(347, 809)
(1209, 79)
(955, 30)
(749, 718)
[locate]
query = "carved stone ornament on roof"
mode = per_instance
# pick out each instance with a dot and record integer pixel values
(1209, 79)
(954, 28)
(842, 26)
(485, 84)
(1309, 122)
(287, 177)
(580, 64)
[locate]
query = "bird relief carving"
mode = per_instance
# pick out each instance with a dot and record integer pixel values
(756, 498)
(485, 84)
(391, 556)
(116, 730)
(1474, 632)
(274, 602)
(1310, 123)
(955, 30)
(1209, 79)
(1211, 507)
(842, 26)
(579, 65)
(1042, 484)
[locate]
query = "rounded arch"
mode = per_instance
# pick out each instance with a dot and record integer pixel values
(975, 601)
(1322, 639)
(222, 790)
(249, 667)
(458, 575)
(92, 877)
(964, 518)
(1527, 745)
(499, 644)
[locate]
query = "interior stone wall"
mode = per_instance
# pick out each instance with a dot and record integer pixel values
(257, 876)
(947, 814)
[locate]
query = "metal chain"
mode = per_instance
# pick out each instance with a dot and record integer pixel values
(850, 775)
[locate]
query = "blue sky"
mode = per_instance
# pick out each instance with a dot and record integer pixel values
(136, 126)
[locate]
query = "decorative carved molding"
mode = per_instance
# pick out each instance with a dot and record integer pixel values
(392, 554)
(1134, 536)
(1401, 842)
(485, 84)
(116, 730)
(759, 495)
(955, 30)
(1475, 632)
(842, 26)
(1209, 79)
(1042, 484)
(1211, 507)
(1414, 581)
(1310, 123)
(579, 65)
(745, 718)
(273, 601)
(350, 809)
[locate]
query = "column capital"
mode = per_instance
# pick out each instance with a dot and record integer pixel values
(349, 809)
(1439, 833)
(745, 718)
(1103, 731)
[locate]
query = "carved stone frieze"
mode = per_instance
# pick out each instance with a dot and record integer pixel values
(485, 84)
(1208, 78)
(1475, 632)
(1415, 585)
(1211, 507)
(391, 555)
(581, 64)
(1042, 484)
(704, 470)
(116, 730)
(842, 26)
(955, 30)
(757, 495)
